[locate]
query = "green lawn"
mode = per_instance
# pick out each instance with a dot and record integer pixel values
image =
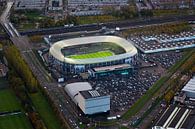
(92, 55)
(45, 111)
(8, 101)
(14, 122)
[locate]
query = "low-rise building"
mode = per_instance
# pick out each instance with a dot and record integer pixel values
(91, 102)
(189, 88)
(55, 5)
(92, 7)
(30, 4)
(171, 4)
(180, 98)
(176, 118)
(88, 100)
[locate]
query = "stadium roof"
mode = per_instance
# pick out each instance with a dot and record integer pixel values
(55, 49)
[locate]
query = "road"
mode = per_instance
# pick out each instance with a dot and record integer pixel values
(111, 25)
(56, 94)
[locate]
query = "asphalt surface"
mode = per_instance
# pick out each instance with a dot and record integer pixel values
(98, 26)
(56, 94)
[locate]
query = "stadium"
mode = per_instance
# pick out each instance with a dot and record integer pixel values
(78, 55)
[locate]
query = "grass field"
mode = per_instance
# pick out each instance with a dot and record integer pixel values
(45, 111)
(9, 102)
(92, 55)
(14, 122)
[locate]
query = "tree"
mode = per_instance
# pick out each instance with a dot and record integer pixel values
(15, 60)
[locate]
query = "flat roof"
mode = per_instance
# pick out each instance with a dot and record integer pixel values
(190, 86)
(111, 68)
(163, 42)
(73, 89)
(189, 123)
(165, 116)
(175, 117)
(55, 49)
(90, 94)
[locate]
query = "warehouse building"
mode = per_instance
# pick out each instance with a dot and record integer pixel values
(176, 118)
(30, 4)
(91, 102)
(189, 88)
(88, 100)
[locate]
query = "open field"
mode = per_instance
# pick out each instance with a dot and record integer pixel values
(8, 101)
(92, 55)
(45, 111)
(14, 122)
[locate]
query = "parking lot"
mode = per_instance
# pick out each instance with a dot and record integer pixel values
(126, 90)
(163, 42)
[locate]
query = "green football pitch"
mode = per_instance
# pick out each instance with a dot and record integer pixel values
(19, 121)
(99, 54)
(9, 102)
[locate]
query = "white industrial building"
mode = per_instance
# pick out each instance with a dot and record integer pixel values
(30, 4)
(189, 88)
(89, 101)
(73, 89)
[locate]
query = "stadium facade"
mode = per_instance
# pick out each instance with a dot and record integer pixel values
(70, 65)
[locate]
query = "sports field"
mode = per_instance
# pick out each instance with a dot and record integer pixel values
(99, 54)
(18, 121)
(45, 111)
(9, 103)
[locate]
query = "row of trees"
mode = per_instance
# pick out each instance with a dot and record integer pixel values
(127, 12)
(23, 82)
(58, 113)
(15, 60)
(170, 28)
(20, 78)
(175, 84)
(18, 87)
(45, 23)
